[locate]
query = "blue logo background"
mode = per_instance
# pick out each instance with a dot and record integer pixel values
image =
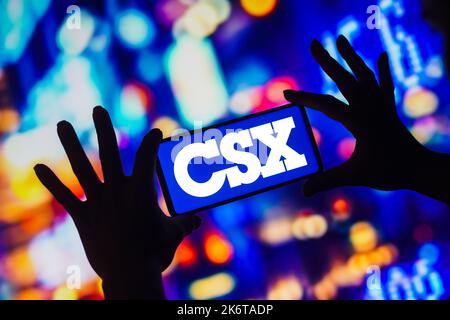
(299, 140)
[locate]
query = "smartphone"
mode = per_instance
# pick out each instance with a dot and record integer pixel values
(208, 167)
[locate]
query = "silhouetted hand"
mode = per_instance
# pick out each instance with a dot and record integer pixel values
(127, 238)
(386, 155)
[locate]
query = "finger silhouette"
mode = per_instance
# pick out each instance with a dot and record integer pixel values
(78, 160)
(59, 191)
(187, 223)
(329, 105)
(362, 72)
(384, 74)
(342, 175)
(344, 80)
(145, 162)
(107, 143)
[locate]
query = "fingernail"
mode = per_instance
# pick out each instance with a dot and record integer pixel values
(157, 132)
(98, 109)
(342, 38)
(62, 123)
(289, 94)
(316, 45)
(38, 168)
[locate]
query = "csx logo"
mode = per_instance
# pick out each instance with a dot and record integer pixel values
(274, 135)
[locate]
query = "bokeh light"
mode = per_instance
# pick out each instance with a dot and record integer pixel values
(9, 120)
(363, 237)
(186, 255)
(258, 8)
(309, 226)
(287, 288)
(429, 252)
(346, 147)
(75, 41)
(213, 286)
(135, 29)
(202, 18)
(341, 209)
(167, 125)
(276, 231)
(217, 249)
(420, 102)
(276, 86)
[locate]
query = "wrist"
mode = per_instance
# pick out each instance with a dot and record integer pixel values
(431, 175)
(136, 283)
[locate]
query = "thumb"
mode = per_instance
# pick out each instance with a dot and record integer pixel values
(337, 177)
(187, 223)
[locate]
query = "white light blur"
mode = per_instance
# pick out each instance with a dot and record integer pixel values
(23, 150)
(74, 41)
(196, 80)
(202, 18)
(67, 92)
(54, 250)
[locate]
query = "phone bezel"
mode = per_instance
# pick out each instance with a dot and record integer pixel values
(165, 189)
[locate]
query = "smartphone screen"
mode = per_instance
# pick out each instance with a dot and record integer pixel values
(226, 162)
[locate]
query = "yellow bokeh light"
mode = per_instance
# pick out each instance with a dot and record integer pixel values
(342, 276)
(309, 227)
(167, 125)
(359, 261)
(99, 287)
(325, 289)
(363, 237)
(297, 228)
(213, 286)
(276, 231)
(203, 18)
(9, 120)
(18, 268)
(315, 226)
(288, 288)
(388, 253)
(64, 293)
(258, 8)
(419, 102)
(31, 294)
(26, 186)
(38, 218)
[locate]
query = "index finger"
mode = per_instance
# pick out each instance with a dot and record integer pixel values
(344, 80)
(362, 72)
(145, 162)
(108, 148)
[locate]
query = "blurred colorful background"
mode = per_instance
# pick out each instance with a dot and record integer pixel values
(172, 63)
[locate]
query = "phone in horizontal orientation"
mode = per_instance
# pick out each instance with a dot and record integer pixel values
(208, 167)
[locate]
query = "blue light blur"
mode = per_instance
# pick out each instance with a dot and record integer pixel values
(422, 279)
(135, 29)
